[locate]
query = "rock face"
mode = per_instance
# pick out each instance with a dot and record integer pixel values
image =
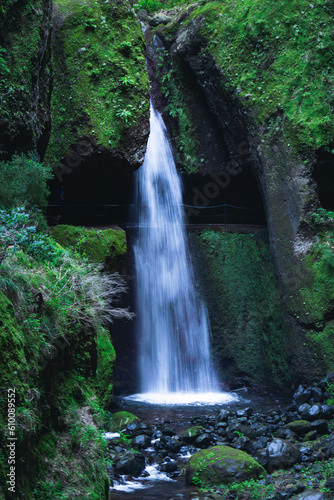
(282, 455)
(284, 176)
(248, 332)
(25, 33)
(100, 98)
(221, 465)
(132, 463)
(84, 97)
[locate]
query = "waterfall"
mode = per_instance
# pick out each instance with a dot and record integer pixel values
(172, 324)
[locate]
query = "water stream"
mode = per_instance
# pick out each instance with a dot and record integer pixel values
(172, 326)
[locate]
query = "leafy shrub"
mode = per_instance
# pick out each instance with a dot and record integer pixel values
(3, 64)
(18, 232)
(23, 181)
(152, 5)
(323, 217)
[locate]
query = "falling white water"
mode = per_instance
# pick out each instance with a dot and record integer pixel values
(172, 322)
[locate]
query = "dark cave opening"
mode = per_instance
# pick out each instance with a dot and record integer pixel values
(323, 174)
(225, 198)
(94, 194)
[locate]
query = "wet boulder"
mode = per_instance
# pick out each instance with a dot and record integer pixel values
(221, 465)
(203, 441)
(159, 19)
(312, 495)
(141, 441)
(311, 436)
(262, 456)
(302, 395)
(330, 484)
(317, 395)
(303, 409)
(313, 413)
(136, 428)
(168, 431)
(245, 412)
(171, 443)
(223, 415)
(259, 429)
(321, 426)
(282, 454)
(286, 434)
(327, 411)
(190, 435)
(299, 427)
(239, 430)
(129, 463)
(121, 419)
(169, 467)
(243, 443)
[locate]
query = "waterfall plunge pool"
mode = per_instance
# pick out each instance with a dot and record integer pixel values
(184, 398)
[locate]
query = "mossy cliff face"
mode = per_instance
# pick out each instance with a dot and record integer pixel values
(25, 75)
(59, 359)
(106, 247)
(239, 287)
(100, 97)
(253, 70)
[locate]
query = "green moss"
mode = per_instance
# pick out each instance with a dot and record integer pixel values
(220, 465)
(240, 290)
(100, 78)
(12, 343)
(180, 104)
(192, 433)
(280, 64)
(318, 298)
(121, 419)
(155, 5)
(105, 246)
(105, 367)
(320, 263)
(22, 29)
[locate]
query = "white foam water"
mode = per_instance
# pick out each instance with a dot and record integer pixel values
(141, 482)
(184, 398)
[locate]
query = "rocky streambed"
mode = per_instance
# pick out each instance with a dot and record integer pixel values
(239, 451)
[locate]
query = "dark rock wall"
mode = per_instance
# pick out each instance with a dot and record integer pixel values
(25, 30)
(236, 278)
(286, 182)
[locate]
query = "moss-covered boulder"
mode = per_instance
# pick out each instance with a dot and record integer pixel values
(25, 75)
(121, 419)
(100, 98)
(300, 427)
(106, 246)
(221, 465)
(190, 435)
